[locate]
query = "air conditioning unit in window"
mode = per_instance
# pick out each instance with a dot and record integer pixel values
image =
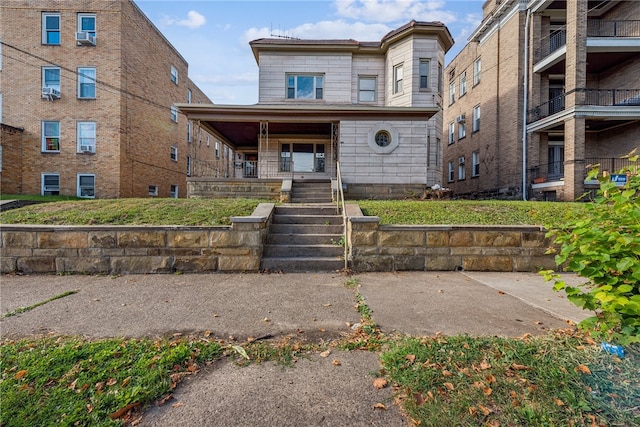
(461, 161)
(85, 38)
(87, 148)
(49, 92)
(460, 118)
(51, 188)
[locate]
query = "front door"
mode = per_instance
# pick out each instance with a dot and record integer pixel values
(306, 157)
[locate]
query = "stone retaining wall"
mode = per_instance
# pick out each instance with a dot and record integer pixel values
(219, 188)
(136, 249)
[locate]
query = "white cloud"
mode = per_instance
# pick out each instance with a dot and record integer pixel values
(393, 10)
(194, 20)
(325, 30)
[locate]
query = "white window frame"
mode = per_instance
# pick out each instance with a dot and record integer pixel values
(398, 77)
(173, 153)
(477, 71)
(86, 143)
(82, 29)
(440, 79)
(46, 31)
(79, 189)
(452, 92)
(461, 170)
(452, 133)
(174, 114)
(153, 190)
(475, 164)
(188, 131)
(462, 130)
(292, 83)
(45, 137)
(217, 150)
(188, 165)
(424, 71)
(476, 118)
(174, 74)
(42, 183)
(173, 191)
(451, 172)
(463, 84)
(85, 78)
(208, 140)
(365, 94)
(189, 96)
(48, 84)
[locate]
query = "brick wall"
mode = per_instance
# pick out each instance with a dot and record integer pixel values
(11, 170)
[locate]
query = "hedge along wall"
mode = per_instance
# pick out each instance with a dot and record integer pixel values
(375, 247)
(136, 249)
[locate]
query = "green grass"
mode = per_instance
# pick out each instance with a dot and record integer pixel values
(69, 381)
(37, 197)
(205, 212)
(554, 380)
(464, 212)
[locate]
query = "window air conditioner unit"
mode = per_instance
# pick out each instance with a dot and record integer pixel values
(461, 161)
(85, 38)
(460, 118)
(51, 188)
(87, 148)
(49, 92)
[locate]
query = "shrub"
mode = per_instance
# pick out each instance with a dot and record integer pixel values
(603, 246)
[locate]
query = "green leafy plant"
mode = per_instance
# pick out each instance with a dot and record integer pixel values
(603, 246)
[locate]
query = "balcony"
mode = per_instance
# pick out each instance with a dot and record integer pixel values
(549, 172)
(603, 28)
(593, 97)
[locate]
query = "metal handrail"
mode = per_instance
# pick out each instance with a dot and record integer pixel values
(340, 201)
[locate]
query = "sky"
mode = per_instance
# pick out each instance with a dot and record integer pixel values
(213, 35)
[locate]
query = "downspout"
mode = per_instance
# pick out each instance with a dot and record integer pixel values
(525, 100)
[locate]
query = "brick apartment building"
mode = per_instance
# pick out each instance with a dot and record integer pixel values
(581, 62)
(89, 87)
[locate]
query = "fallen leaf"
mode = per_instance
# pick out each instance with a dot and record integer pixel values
(473, 410)
(501, 292)
(336, 362)
(494, 423)
(177, 405)
(380, 383)
(20, 374)
(207, 333)
(72, 386)
(430, 395)
(380, 406)
(125, 382)
(100, 385)
(216, 315)
(411, 358)
(418, 398)
(486, 411)
(491, 379)
(558, 402)
(584, 369)
(266, 319)
(165, 399)
(485, 365)
(513, 394)
(112, 381)
(518, 367)
(478, 384)
(89, 408)
(446, 373)
(487, 391)
(325, 353)
(120, 412)
(449, 386)
(326, 305)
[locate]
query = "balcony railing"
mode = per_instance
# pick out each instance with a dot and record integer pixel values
(599, 97)
(555, 171)
(550, 44)
(604, 28)
(609, 165)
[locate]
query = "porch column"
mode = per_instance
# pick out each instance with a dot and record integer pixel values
(263, 149)
(335, 143)
(574, 153)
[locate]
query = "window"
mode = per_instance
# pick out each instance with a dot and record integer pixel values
(50, 184)
(477, 70)
(174, 153)
(462, 130)
(50, 28)
(86, 137)
(174, 191)
(86, 186)
(305, 86)
(87, 23)
(452, 132)
(188, 165)
(438, 152)
(397, 78)
(463, 83)
(440, 82)
(451, 172)
(367, 89)
(174, 74)
(0, 158)
(174, 114)
(50, 136)
(189, 96)
(87, 83)
(475, 164)
(452, 93)
(217, 150)
(383, 138)
(208, 140)
(153, 190)
(461, 168)
(51, 77)
(476, 118)
(425, 64)
(188, 131)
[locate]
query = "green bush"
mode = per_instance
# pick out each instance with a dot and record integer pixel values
(603, 246)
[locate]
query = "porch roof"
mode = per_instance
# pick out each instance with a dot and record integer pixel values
(239, 125)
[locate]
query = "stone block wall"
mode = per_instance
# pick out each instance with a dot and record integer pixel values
(136, 249)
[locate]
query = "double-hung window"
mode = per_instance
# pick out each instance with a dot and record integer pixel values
(189, 95)
(153, 190)
(86, 186)
(174, 114)
(452, 132)
(440, 79)
(398, 76)
(367, 89)
(174, 74)
(174, 153)
(463, 83)
(462, 130)
(217, 150)
(475, 164)
(51, 77)
(50, 28)
(51, 136)
(425, 65)
(50, 184)
(461, 173)
(188, 131)
(174, 191)
(305, 86)
(450, 172)
(452, 92)
(476, 118)
(87, 83)
(87, 23)
(86, 137)
(477, 71)
(188, 165)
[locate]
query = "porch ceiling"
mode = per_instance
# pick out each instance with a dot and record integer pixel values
(239, 125)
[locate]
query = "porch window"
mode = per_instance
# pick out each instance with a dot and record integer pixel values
(305, 86)
(302, 157)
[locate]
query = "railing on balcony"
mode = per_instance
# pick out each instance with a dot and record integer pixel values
(250, 169)
(605, 28)
(550, 44)
(599, 97)
(555, 171)
(609, 165)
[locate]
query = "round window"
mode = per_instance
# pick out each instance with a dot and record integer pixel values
(383, 138)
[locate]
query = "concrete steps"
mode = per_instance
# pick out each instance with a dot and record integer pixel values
(311, 192)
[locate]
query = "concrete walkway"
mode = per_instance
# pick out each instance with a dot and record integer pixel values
(312, 307)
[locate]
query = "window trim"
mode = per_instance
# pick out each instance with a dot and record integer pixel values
(173, 191)
(318, 90)
(153, 190)
(42, 183)
(452, 93)
(79, 137)
(46, 31)
(463, 84)
(367, 91)
(174, 114)
(79, 189)
(398, 78)
(451, 172)
(174, 74)
(173, 153)
(461, 169)
(427, 63)
(476, 118)
(477, 71)
(81, 81)
(475, 164)
(87, 15)
(44, 136)
(44, 79)
(452, 133)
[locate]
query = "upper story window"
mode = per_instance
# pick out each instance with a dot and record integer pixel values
(476, 118)
(367, 89)
(189, 94)
(398, 76)
(189, 132)
(305, 86)
(174, 153)
(461, 171)
(452, 132)
(450, 172)
(463, 83)
(440, 81)
(217, 150)
(87, 83)
(425, 65)
(188, 165)
(87, 23)
(174, 114)
(452, 93)
(475, 164)
(50, 28)
(174, 74)
(50, 136)
(51, 78)
(477, 71)
(86, 137)
(462, 129)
